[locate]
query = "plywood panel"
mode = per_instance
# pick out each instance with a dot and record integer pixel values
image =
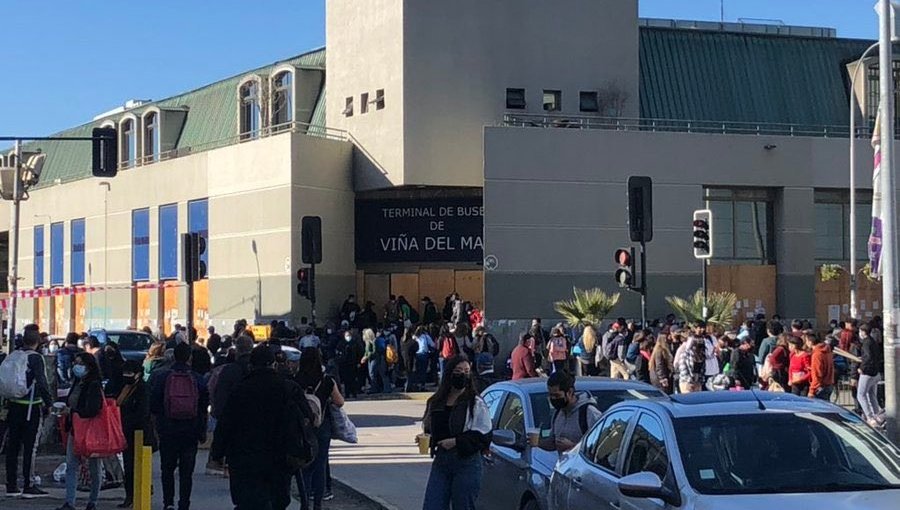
(470, 287)
(142, 300)
(39, 317)
(168, 309)
(201, 308)
(377, 289)
(753, 285)
(79, 312)
(436, 284)
(837, 293)
(403, 284)
(58, 315)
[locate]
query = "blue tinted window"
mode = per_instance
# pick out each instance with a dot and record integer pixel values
(56, 254)
(140, 245)
(39, 256)
(168, 242)
(198, 221)
(77, 251)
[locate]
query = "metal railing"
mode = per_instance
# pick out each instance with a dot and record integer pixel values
(679, 126)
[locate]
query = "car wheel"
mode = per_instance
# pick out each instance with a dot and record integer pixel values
(531, 505)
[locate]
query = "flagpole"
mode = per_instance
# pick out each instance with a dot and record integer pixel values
(888, 220)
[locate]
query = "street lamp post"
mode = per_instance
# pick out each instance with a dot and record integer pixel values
(853, 77)
(14, 266)
(106, 185)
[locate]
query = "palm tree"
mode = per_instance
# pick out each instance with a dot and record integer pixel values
(719, 308)
(589, 307)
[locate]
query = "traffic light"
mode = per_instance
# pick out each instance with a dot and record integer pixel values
(703, 243)
(104, 156)
(311, 239)
(640, 209)
(306, 285)
(193, 247)
(199, 250)
(625, 272)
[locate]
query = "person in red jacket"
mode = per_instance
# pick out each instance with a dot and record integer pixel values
(799, 368)
(522, 358)
(779, 360)
(821, 381)
(848, 335)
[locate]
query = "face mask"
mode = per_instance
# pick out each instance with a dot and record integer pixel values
(459, 381)
(81, 344)
(79, 371)
(329, 331)
(348, 338)
(559, 403)
(53, 348)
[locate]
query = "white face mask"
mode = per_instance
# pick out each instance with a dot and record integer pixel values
(80, 343)
(53, 348)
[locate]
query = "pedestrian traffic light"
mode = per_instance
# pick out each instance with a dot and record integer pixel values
(311, 239)
(104, 156)
(199, 250)
(703, 243)
(193, 247)
(625, 273)
(306, 286)
(640, 209)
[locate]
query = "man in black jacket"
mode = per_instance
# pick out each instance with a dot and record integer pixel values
(743, 364)
(222, 385)
(260, 467)
(25, 416)
(870, 369)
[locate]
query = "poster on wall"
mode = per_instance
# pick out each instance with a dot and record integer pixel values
(422, 230)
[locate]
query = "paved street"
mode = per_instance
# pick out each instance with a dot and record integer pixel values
(385, 465)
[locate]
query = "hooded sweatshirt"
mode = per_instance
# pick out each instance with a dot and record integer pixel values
(566, 423)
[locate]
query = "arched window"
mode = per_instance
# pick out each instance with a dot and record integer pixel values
(129, 143)
(250, 112)
(283, 98)
(151, 137)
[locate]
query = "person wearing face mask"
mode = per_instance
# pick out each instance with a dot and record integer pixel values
(85, 400)
(135, 410)
(347, 354)
(459, 423)
(575, 413)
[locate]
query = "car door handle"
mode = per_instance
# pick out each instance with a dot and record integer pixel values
(615, 505)
(576, 482)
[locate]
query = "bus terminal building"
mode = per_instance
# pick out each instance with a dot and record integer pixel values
(470, 147)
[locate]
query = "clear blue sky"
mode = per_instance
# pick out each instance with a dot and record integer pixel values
(55, 75)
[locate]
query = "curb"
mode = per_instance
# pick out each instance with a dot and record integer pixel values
(420, 396)
(382, 504)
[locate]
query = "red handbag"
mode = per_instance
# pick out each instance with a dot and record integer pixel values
(100, 436)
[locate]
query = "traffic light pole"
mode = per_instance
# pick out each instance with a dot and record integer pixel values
(312, 294)
(705, 287)
(643, 288)
(14, 266)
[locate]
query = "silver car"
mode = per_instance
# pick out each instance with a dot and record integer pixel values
(517, 476)
(729, 450)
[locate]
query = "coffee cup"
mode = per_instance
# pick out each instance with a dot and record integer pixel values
(424, 442)
(534, 436)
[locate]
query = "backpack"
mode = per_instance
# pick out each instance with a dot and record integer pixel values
(413, 315)
(14, 375)
(582, 416)
(298, 436)
(611, 348)
(315, 407)
(181, 396)
(390, 354)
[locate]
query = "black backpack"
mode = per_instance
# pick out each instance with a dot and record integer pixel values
(413, 315)
(298, 436)
(582, 416)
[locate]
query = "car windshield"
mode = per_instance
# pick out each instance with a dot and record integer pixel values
(776, 452)
(543, 411)
(130, 341)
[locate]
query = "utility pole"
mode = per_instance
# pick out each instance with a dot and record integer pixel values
(14, 265)
(888, 219)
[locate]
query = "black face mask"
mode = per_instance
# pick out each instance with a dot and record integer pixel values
(559, 403)
(459, 381)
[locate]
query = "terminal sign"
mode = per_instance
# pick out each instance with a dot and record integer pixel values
(433, 230)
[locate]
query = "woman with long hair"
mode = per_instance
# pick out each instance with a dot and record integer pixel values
(662, 366)
(692, 372)
(587, 351)
(86, 400)
(800, 367)
(558, 348)
(459, 424)
(642, 362)
(779, 361)
(447, 348)
(155, 357)
(312, 379)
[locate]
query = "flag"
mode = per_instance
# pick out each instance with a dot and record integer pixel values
(875, 236)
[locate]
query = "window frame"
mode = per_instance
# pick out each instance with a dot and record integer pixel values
(285, 114)
(348, 107)
(58, 254)
(128, 145)
(630, 447)
(502, 410)
(151, 131)
(841, 197)
(164, 273)
(556, 104)
(76, 269)
(250, 117)
(591, 95)
(379, 99)
(733, 195)
(500, 400)
(135, 277)
(598, 429)
(513, 101)
(364, 103)
(39, 270)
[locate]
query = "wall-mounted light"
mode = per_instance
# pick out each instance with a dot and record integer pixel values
(770, 146)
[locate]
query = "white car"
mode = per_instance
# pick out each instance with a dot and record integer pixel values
(729, 450)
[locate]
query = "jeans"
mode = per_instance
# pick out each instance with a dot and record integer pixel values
(824, 393)
(441, 364)
(315, 473)
(867, 394)
(128, 461)
(22, 436)
(260, 491)
(454, 482)
(73, 464)
(181, 454)
(378, 373)
(422, 368)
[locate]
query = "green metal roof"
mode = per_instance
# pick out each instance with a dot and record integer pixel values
(211, 119)
(742, 77)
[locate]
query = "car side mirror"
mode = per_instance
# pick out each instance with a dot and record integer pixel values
(507, 438)
(647, 485)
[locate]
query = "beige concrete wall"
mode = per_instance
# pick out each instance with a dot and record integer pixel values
(256, 193)
(365, 53)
